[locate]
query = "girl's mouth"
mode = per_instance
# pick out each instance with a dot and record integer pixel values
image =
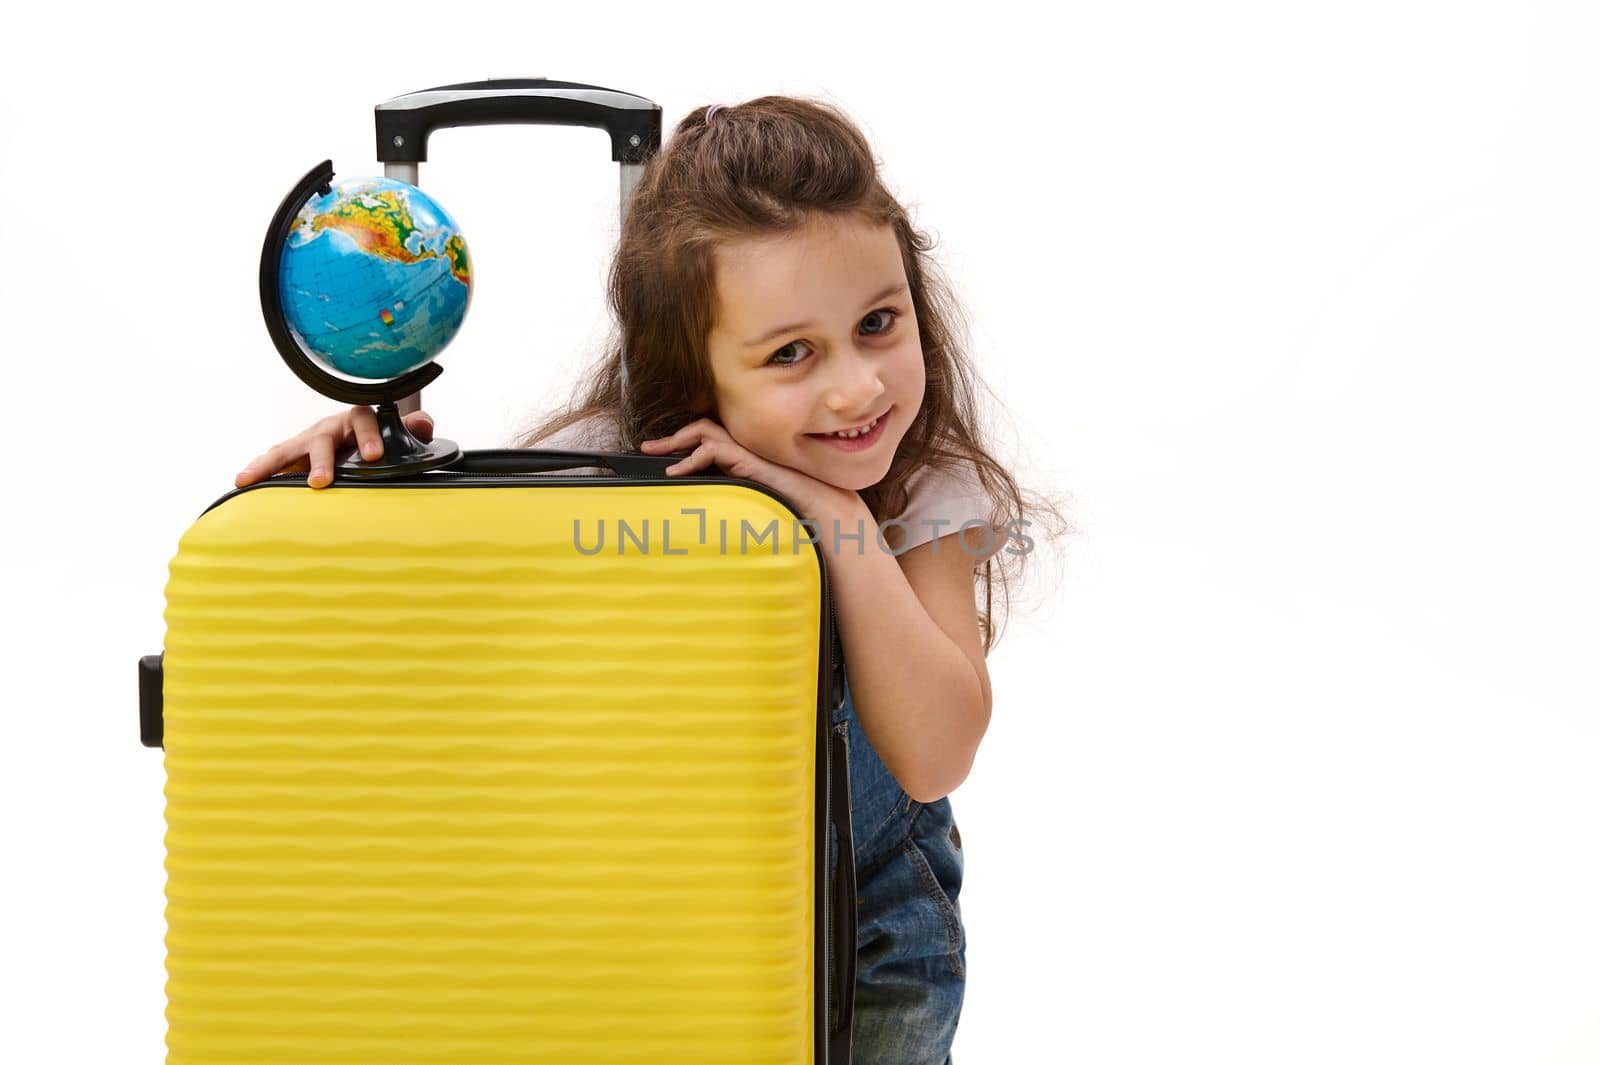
(856, 443)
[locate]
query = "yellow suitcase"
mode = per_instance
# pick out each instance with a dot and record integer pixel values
(442, 786)
(504, 763)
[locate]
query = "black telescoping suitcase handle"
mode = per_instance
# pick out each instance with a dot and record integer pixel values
(403, 123)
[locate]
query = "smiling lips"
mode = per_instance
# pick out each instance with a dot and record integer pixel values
(859, 441)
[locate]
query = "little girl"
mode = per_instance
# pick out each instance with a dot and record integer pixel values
(781, 318)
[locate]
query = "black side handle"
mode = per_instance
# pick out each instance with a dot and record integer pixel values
(150, 700)
(404, 123)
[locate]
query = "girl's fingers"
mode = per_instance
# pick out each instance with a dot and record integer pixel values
(698, 459)
(297, 465)
(421, 425)
(365, 422)
(298, 453)
(704, 429)
(263, 465)
(249, 474)
(320, 457)
(369, 440)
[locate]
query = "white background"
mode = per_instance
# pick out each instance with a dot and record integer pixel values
(1296, 760)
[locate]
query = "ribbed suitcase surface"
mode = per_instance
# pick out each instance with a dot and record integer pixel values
(444, 788)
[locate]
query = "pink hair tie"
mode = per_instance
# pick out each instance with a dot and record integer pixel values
(713, 109)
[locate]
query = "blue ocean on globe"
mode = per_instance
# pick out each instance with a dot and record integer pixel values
(374, 278)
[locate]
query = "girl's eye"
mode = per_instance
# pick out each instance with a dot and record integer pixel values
(779, 362)
(886, 329)
(894, 317)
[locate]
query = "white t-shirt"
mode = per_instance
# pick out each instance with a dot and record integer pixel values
(938, 501)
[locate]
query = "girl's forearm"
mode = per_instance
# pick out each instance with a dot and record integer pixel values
(916, 693)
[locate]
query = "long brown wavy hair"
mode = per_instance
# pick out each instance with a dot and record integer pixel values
(762, 167)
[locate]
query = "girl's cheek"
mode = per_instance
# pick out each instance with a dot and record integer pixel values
(912, 383)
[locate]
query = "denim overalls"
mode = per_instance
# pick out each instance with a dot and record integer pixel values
(911, 945)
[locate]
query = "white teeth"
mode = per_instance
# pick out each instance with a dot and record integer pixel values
(851, 434)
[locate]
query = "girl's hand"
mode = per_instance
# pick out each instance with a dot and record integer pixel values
(815, 499)
(313, 449)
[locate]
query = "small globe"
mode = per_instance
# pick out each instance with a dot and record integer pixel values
(374, 278)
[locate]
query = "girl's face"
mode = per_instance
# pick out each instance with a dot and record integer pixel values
(815, 332)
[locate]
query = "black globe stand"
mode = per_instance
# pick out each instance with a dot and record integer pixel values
(402, 453)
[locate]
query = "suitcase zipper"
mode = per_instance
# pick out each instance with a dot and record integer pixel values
(836, 700)
(827, 906)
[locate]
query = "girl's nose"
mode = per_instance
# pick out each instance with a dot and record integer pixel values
(856, 389)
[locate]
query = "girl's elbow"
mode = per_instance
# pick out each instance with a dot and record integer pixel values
(927, 796)
(938, 782)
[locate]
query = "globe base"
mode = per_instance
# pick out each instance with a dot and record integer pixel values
(402, 453)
